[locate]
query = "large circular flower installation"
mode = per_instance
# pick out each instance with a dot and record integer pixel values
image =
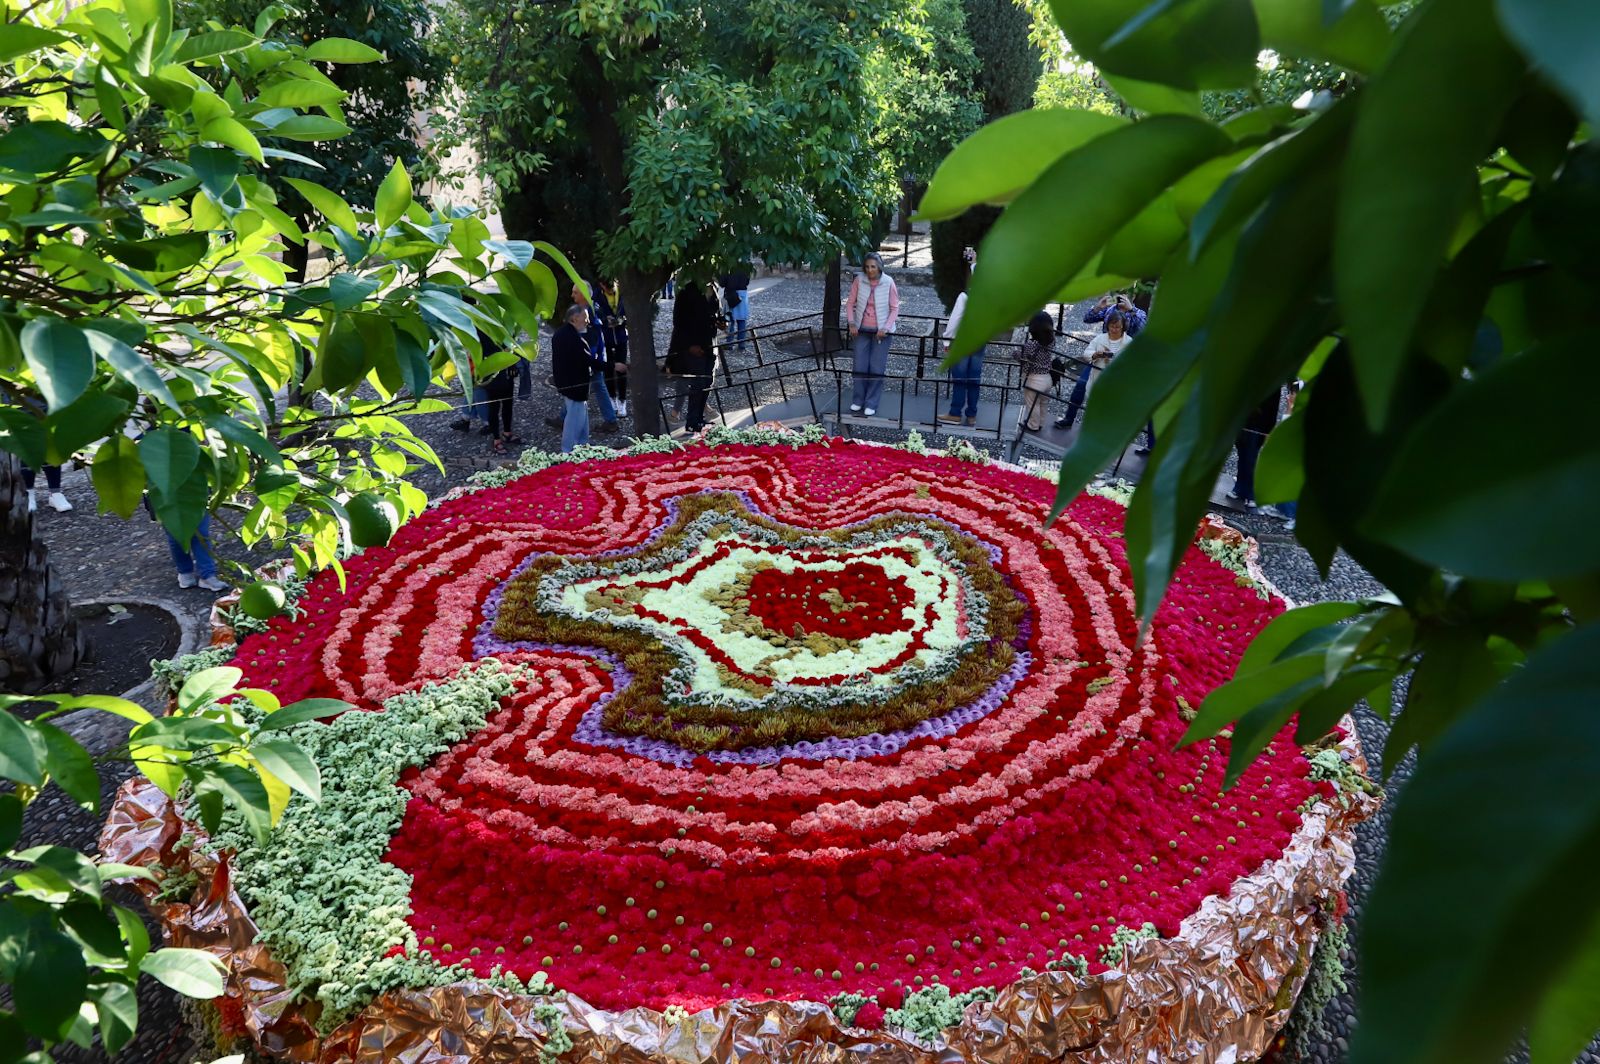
(792, 722)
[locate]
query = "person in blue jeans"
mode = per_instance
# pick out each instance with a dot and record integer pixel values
(595, 337)
(196, 567)
(966, 375)
(872, 310)
(736, 296)
(1248, 443)
(569, 368)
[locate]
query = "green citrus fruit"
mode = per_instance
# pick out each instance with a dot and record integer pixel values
(373, 520)
(261, 600)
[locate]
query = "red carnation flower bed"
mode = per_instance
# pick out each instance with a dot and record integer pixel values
(1010, 832)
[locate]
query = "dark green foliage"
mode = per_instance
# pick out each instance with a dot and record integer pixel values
(385, 98)
(949, 240)
(1009, 63)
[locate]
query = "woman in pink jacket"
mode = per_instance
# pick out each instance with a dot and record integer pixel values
(872, 311)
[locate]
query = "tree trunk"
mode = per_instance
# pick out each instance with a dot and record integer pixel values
(39, 637)
(297, 264)
(832, 301)
(638, 291)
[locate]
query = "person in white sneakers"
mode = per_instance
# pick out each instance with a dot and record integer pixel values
(196, 567)
(872, 310)
(52, 479)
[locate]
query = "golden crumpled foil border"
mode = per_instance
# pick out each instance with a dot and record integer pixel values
(1217, 993)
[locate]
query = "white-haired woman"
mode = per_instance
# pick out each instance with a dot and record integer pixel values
(872, 311)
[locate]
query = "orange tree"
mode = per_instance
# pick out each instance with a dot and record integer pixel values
(146, 321)
(1422, 252)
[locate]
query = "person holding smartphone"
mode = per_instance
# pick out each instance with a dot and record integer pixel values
(1116, 303)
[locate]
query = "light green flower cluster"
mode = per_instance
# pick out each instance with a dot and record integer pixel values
(1329, 764)
(1231, 556)
(928, 1011)
(1324, 982)
(848, 1005)
(170, 675)
(966, 452)
(916, 443)
(1118, 491)
(319, 890)
(1071, 962)
(1121, 939)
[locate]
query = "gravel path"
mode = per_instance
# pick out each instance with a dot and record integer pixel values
(105, 557)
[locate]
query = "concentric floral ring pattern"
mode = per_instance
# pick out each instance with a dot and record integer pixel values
(794, 722)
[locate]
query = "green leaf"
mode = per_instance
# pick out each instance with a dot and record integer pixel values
(19, 38)
(59, 356)
(1061, 222)
(21, 754)
(1006, 156)
(66, 870)
(342, 50)
(232, 132)
(1409, 174)
(120, 707)
(285, 760)
(170, 455)
(208, 686)
(45, 147)
(1358, 40)
(70, 766)
(246, 793)
(1246, 692)
(300, 93)
(1280, 470)
(327, 203)
(164, 254)
(94, 928)
(394, 196)
(1199, 44)
(1456, 670)
(49, 982)
(218, 42)
(413, 361)
(1318, 143)
(1149, 98)
(1140, 248)
(1569, 1016)
(10, 820)
(302, 711)
(1562, 40)
(1460, 498)
(136, 940)
(95, 414)
(1458, 941)
(309, 128)
(117, 1008)
(191, 972)
(23, 435)
(132, 367)
(1288, 627)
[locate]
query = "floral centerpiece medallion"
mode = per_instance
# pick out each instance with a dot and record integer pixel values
(783, 723)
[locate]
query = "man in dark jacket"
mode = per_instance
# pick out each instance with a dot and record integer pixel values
(694, 334)
(613, 322)
(570, 369)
